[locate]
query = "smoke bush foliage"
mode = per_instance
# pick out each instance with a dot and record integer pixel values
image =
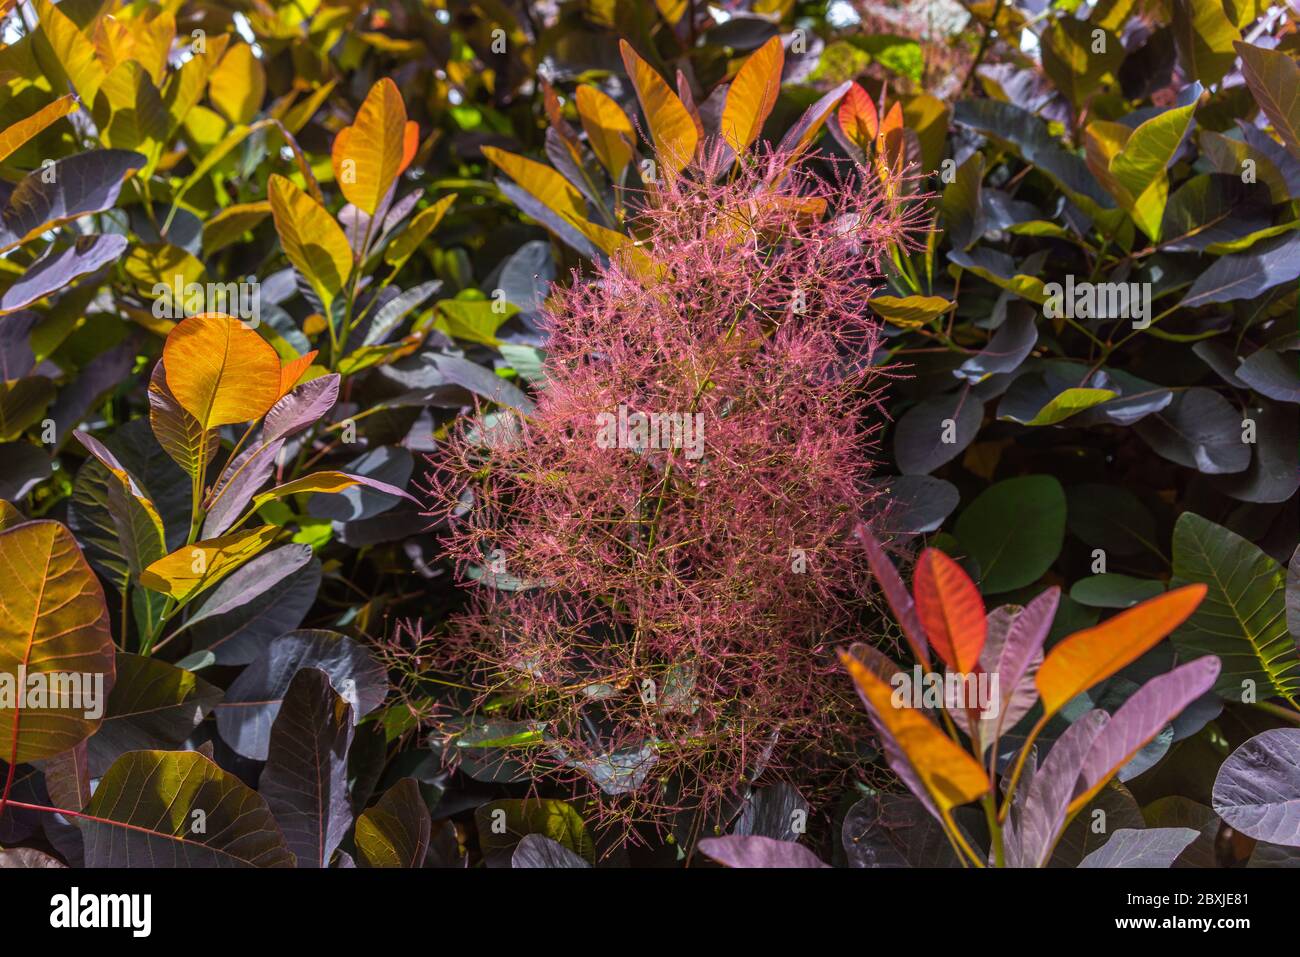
(658, 608)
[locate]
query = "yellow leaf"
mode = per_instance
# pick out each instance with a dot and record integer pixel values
(328, 482)
(313, 241)
(193, 568)
(153, 42)
(231, 223)
(671, 126)
(1082, 659)
(540, 181)
(950, 775)
(752, 95)
(425, 222)
(73, 49)
(220, 371)
(909, 312)
(238, 84)
(22, 131)
(52, 620)
(370, 154)
(9, 515)
(608, 129)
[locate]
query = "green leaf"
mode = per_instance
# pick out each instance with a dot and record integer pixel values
(1114, 591)
(395, 832)
(554, 819)
(1015, 530)
(1070, 402)
(1243, 616)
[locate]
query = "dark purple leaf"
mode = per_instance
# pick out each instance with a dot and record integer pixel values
(240, 634)
(1199, 430)
(1257, 790)
(253, 700)
(1268, 373)
(65, 190)
(896, 593)
(305, 781)
(895, 830)
(1141, 717)
(753, 851)
(1247, 275)
(56, 269)
(1153, 847)
(383, 472)
(921, 436)
(1037, 818)
(537, 850)
(16, 359)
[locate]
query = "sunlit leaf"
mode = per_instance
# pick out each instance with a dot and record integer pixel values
(312, 239)
(671, 126)
(192, 568)
(370, 154)
(609, 131)
(220, 371)
(752, 95)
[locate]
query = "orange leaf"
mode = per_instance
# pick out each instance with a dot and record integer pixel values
(292, 371)
(671, 125)
(22, 131)
(752, 95)
(370, 154)
(220, 371)
(1081, 660)
(950, 609)
(950, 775)
(858, 117)
(312, 239)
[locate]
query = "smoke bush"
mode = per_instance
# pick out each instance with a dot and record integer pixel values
(658, 550)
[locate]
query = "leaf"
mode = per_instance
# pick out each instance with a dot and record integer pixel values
(139, 526)
(536, 850)
(269, 596)
(1138, 720)
(752, 850)
(752, 95)
(193, 568)
(220, 371)
(950, 609)
(53, 620)
(329, 482)
(1078, 662)
(313, 241)
(950, 776)
(1243, 618)
(370, 154)
(74, 53)
(1199, 430)
(936, 430)
(553, 819)
(609, 132)
(858, 117)
(1257, 789)
(70, 188)
(800, 136)
(1152, 847)
(1068, 403)
(293, 370)
(1274, 78)
(542, 182)
(253, 700)
(1014, 530)
(237, 85)
(16, 134)
(23, 403)
(900, 601)
(1009, 347)
(181, 435)
(145, 811)
(305, 782)
(1039, 813)
(671, 125)
(410, 239)
(153, 704)
(57, 268)
(1205, 38)
(910, 312)
(1246, 275)
(894, 830)
(395, 832)
(1108, 590)
(917, 504)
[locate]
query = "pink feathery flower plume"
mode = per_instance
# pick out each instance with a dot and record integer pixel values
(659, 552)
